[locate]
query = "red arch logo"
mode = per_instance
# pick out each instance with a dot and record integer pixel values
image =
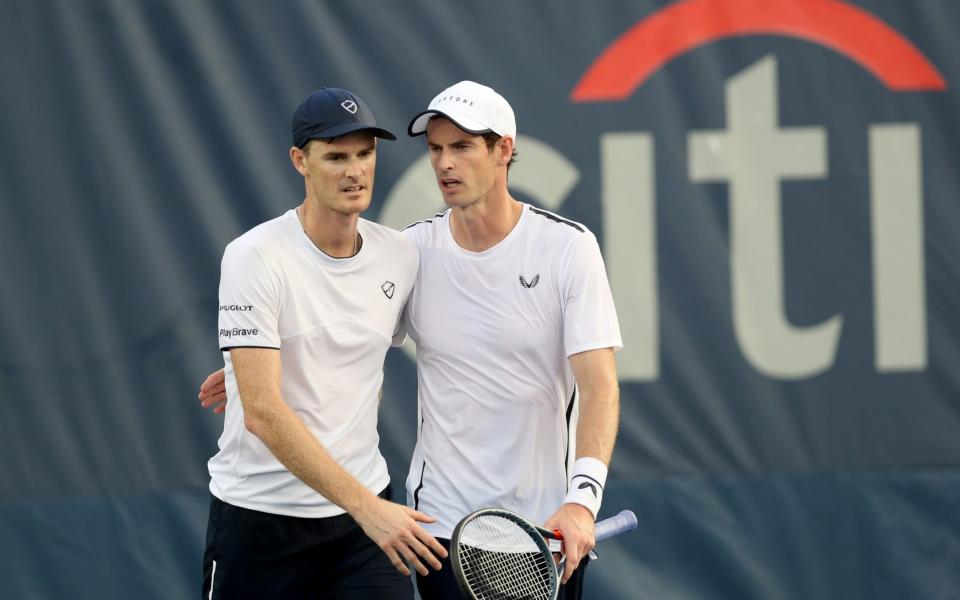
(647, 46)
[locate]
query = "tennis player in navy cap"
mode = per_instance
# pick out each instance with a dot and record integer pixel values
(309, 304)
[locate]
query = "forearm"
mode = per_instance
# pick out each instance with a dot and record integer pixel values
(297, 449)
(597, 427)
(599, 404)
(596, 433)
(268, 417)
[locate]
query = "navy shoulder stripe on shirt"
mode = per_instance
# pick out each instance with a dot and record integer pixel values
(556, 218)
(436, 216)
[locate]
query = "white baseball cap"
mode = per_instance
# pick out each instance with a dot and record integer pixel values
(474, 108)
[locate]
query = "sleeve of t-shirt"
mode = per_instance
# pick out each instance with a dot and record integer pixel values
(400, 334)
(589, 316)
(249, 300)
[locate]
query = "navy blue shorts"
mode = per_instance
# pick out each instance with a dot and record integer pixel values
(252, 554)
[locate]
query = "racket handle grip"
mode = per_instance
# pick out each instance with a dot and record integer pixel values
(622, 522)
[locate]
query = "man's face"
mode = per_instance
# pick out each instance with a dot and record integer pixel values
(339, 173)
(465, 167)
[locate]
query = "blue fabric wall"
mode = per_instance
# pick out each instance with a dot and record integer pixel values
(776, 197)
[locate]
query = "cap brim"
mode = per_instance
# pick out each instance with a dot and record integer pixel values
(346, 128)
(418, 126)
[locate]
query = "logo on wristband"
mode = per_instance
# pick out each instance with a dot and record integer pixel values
(587, 484)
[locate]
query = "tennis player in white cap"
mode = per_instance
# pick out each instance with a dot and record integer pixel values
(515, 329)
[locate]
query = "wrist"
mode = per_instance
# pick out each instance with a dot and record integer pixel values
(360, 504)
(587, 479)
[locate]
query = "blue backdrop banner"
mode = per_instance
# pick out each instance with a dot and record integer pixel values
(774, 186)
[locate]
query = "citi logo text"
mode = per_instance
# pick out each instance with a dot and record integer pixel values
(753, 156)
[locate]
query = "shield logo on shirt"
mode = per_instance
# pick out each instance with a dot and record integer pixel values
(388, 288)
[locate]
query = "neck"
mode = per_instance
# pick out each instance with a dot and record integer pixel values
(335, 234)
(483, 224)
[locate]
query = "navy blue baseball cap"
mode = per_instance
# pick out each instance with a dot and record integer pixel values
(331, 112)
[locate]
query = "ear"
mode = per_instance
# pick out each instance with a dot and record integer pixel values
(299, 159)
(506, 151)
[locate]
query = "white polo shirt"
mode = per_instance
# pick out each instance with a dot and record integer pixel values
(494, 331)
(332, 320)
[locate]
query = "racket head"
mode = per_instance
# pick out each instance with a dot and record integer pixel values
(495, 553)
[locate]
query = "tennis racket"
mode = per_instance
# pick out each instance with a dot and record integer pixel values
(497, 554)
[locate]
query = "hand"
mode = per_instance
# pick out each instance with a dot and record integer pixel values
(575, 522)
(394, 528)
(213, 392)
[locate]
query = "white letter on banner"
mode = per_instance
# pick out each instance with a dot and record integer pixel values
(896, 214)
(630, 249)
(753, 155)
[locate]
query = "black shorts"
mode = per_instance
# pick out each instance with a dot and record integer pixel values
(442, 584)
(252, 554)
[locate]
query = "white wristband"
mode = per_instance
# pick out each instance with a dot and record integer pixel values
(586, 484)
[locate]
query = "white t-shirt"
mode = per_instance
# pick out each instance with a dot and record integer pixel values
(332, 320)
(497, 397)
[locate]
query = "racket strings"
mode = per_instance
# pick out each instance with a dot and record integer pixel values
(502, 562)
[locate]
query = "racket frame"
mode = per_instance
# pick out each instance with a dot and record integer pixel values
(624, 521)
(536, 533)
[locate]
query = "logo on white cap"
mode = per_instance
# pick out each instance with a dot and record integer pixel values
(350, 106)
(472, 107)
